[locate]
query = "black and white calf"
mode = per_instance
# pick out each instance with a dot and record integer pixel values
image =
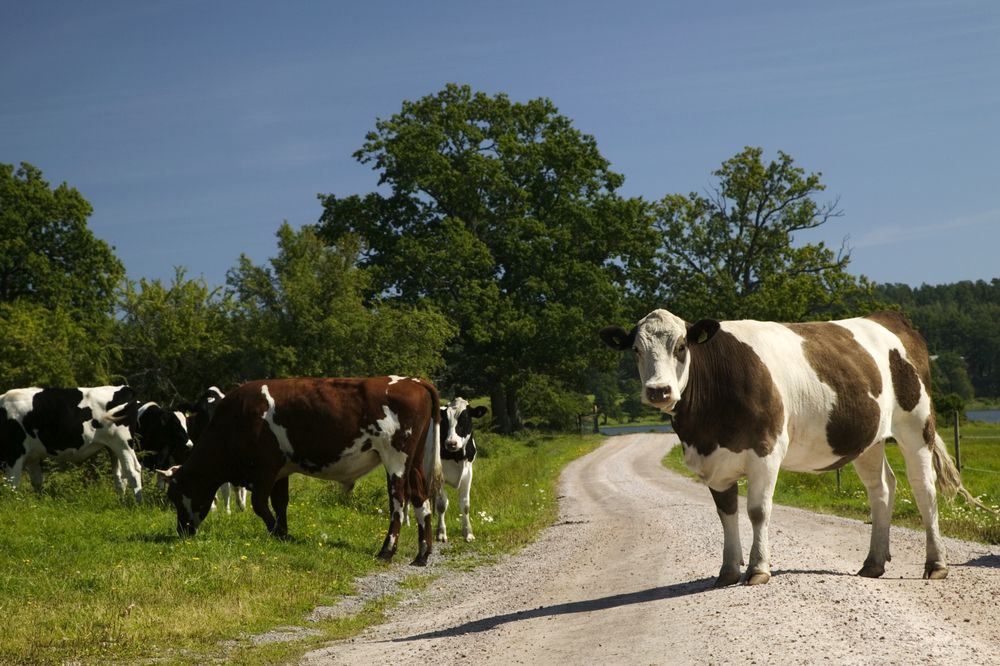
(71, 424)
(458, 451)
(750, 397)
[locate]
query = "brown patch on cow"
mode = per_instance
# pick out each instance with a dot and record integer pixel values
(930, 432)
(841, 462)
(730, 399)
(728, 500)
(913, 342)
(905, 382)
(849, 370)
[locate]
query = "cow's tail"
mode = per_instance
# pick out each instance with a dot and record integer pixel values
(432, 447)
(117, 414)
(949, 479)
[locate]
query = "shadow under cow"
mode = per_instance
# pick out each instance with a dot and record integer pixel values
(602, 603)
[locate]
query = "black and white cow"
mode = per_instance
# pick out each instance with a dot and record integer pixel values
(748, 397)
(161, 436)
(71, 424)
(458, 451)
(200, 413)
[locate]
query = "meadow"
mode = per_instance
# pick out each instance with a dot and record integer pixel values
(87, 577)
(980, 447)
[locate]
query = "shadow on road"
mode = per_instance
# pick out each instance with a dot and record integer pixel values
(603, 603)
(988, 561)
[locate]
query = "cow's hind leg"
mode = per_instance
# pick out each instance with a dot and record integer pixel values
(874, 471)
(916, 447)
(279, 500)
(421, 515)
(727, 505)
(259, 502)
(397, 506)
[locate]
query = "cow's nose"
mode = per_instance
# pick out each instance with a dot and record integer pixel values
(656, 394)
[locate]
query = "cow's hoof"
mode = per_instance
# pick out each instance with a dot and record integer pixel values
(935, 571)
(470, 537)
(727, 577)
(419, 561)
(386, 555)
(758, 578)
(871, 570)
(442, 538)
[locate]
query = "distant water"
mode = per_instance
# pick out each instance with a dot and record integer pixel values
(632, 429)
(985, 415)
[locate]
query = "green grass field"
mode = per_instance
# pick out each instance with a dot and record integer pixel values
(980, 448)
(88, 578)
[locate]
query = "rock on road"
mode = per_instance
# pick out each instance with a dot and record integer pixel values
(625, 578)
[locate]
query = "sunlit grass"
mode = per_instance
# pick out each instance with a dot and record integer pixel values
(86, 577)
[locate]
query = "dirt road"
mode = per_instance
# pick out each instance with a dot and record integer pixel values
(625, 578)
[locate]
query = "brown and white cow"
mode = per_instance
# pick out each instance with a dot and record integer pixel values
(334, 429)
(748, 397)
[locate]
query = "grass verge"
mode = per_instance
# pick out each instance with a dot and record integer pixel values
(88, 578)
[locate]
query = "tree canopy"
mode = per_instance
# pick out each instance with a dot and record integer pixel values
(731, 254)
(505, 217)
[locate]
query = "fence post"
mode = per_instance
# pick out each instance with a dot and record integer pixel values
(958, 448)
(838, 479)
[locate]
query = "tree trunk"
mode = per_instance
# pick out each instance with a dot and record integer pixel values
(498, 405)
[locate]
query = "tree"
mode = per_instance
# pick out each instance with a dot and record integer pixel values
(505, 217)
(176, 340)
(304, 315)
(57, 285)
(731, 254)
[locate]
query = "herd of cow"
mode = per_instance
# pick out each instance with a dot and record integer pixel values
(254, 438)
(747, 398)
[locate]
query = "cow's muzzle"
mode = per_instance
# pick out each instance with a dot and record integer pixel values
(660, 397)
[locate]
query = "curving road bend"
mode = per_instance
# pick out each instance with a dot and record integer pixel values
(625, 578)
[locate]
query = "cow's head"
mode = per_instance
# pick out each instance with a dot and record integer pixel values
(456, 423)
(192, 500)
(162, 435)
(200, 412)
(660, 341)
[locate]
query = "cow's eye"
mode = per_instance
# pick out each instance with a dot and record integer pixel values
(680, 349)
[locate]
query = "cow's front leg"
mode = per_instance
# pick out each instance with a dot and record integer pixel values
(760, 490)
(464, 489)
(35, 472)
(132, 470)
(727, 503)
(279, 500)
(442, 508)
(258, 501)
(397, 505)
(422, 516)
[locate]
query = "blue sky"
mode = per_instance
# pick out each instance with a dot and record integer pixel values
(196, 128)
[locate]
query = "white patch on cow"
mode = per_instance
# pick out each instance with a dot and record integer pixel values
(184, 424)
(393, 459)
(395, 378)
(142, 409)
(280, 433)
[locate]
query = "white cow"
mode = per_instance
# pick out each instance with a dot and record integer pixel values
(748, 397)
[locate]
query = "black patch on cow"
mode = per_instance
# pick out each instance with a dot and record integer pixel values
(841, 363)
(367, 446)
(463, 428)
(56, 418)
(12, 438)
(905, 382)
(161, 438)
(730, 399)
(94, 422)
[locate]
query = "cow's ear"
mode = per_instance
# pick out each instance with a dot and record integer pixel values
(616, 337)
(478, 412)
(702, 331)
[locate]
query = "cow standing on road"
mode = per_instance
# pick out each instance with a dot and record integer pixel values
(748, 397)
(334, 429)
(458, 451)
(70, 424)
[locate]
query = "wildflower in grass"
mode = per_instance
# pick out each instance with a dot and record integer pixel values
(485, 517)
(243, 557)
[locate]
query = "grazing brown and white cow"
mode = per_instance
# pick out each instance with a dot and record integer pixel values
(748, 397)
(70, 424)
(334, 429)
(458, 451)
